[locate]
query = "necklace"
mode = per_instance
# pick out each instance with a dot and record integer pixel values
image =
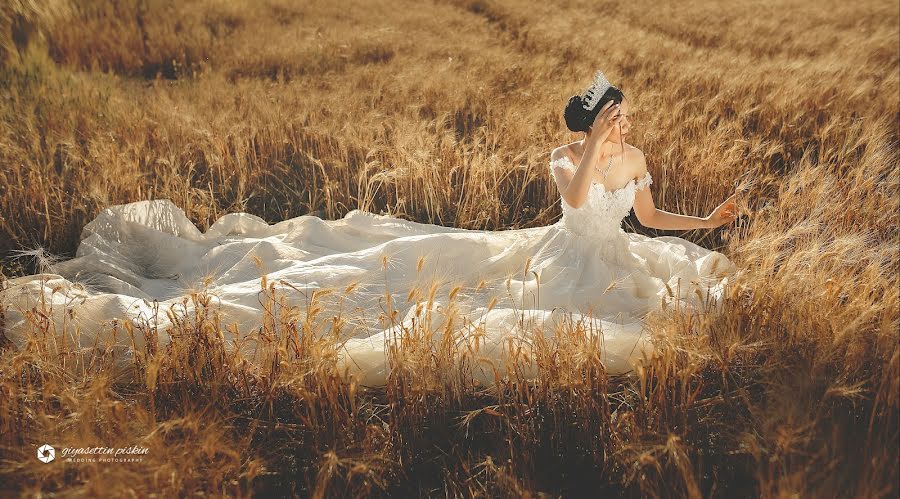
(608, 166)
(597, 169)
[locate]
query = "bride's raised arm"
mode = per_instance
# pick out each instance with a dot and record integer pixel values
(650, 216)
(574, 187)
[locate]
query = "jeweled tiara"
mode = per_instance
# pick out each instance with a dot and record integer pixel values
(592, 95)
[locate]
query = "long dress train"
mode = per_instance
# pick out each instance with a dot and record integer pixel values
(584, 267)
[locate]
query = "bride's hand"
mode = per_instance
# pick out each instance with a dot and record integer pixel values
(724, 213)
(605, 121)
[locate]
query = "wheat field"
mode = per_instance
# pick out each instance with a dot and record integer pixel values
(445, 112)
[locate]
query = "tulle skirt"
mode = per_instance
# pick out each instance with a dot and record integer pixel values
(492, 290)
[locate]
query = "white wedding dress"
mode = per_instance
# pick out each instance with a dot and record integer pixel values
(584, 269)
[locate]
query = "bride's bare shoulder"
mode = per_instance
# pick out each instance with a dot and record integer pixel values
(561, 152)
(635, 158)
(633, 151)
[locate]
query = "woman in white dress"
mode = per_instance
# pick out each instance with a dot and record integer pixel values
(391, 274)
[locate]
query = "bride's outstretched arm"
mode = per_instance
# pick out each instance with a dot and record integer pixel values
(651, 216)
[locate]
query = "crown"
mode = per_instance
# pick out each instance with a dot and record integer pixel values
(592, 95)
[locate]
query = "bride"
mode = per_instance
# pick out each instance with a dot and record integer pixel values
(388, 276)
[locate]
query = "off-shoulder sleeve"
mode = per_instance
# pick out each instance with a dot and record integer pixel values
(562, 162)
(644, 181)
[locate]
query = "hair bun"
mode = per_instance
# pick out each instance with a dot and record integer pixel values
(579, 119)
(576, 116)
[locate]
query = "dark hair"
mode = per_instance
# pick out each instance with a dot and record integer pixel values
(579, 119)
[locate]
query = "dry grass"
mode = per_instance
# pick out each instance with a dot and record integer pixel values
(445, 112)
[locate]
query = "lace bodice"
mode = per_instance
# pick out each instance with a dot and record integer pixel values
(602, 213)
